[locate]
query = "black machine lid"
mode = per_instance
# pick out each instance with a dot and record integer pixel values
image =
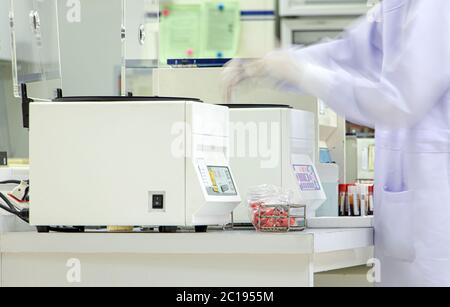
(257, 106)
(121, 98)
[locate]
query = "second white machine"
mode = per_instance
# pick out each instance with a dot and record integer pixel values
(275, 145)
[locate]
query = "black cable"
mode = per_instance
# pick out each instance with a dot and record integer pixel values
(7, 209)
(10, 182)
(23, 215)
(8, 203)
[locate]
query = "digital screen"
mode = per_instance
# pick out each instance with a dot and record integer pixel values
(307, 178)
(220, 181)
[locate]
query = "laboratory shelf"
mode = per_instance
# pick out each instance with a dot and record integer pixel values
(214, 259)
(223, 242)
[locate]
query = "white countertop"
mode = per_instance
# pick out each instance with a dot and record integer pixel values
(312, 241)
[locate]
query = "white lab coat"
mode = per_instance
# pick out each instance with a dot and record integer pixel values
(391, 71)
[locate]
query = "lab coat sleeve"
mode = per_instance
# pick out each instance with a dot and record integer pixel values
(388, 72)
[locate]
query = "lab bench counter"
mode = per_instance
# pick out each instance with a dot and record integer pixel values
(217, 258)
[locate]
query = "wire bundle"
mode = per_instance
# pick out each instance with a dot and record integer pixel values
(9, 207)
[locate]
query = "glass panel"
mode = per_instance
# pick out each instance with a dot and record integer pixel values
(91, 47)
(35, 46)
(141, 48)
(141, 21)
(221, 28)
(5, 44)
(13, 137)
(180, 30)
(199, 29)
(75, 45)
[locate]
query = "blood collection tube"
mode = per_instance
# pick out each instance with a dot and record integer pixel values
(349, 205)
(356, 202)
(343, 189)
(353, 203)
(371, 200)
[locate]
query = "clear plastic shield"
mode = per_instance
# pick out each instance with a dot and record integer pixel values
(35, 47)
(91, 42)
(199, 29)
(141, 45)
(75, 45)
(141, 28)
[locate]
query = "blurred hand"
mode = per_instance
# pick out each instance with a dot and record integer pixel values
(280, 67)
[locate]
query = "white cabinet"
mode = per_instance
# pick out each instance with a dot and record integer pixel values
(323, 7)
(360, 154)
(305, 31)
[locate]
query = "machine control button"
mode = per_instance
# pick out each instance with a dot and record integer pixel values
(158, 202)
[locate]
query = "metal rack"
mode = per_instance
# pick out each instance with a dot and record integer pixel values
(300, 219)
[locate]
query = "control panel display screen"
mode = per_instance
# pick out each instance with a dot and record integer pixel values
(307, 178)
(218, 180)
